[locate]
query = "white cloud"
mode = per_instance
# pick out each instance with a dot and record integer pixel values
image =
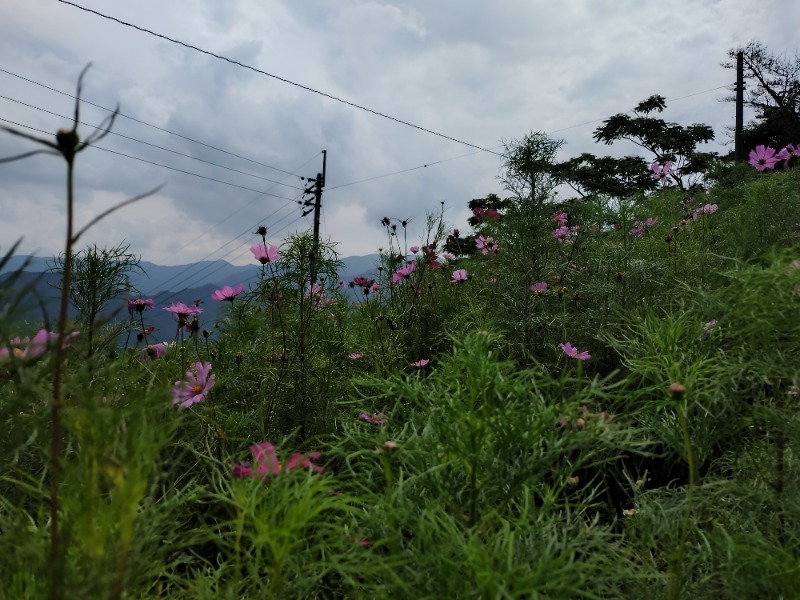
(477, 71)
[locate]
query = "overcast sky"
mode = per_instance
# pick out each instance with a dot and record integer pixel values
(475, 70)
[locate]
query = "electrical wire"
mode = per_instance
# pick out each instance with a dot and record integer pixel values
(282, 79)
(133, 139)
(134, 119)
(150, 162)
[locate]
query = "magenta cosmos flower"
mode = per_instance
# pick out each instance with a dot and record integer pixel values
(198, 384)
(228, 293)
(763, 157)
(264, 253)
(572, 352)
(459, 275)
(139, 305)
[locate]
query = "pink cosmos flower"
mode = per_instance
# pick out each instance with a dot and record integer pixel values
(264, 253)
(459, 275)
(183, 312)
(562, 232)
(195, 388)
(639, 227)
(572, 352)
(660, 173)
(706, 209)
(266, 463)
(784, 154)
(317, 294)
(355, 356)
(376, 418)
(414, 249)
(404, 272)
(265, 460)
(482, 214)
(486, 245)
(374, 288)
(538, 288)
(153, 351)
(28, 349)
(304, 460)
(139, 305)
(560, 218)
(228, 293)
(420, 363)
(763, 157)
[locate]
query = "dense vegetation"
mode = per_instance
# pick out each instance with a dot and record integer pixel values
(585, 399)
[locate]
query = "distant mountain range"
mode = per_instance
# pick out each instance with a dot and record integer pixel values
(165, 284)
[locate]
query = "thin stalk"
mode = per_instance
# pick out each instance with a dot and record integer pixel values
(56, 565)
(677, 573)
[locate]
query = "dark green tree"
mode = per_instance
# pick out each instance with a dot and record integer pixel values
(528, 166)
(590, 175)
(666, 141)
(772, 89)
(99, 275)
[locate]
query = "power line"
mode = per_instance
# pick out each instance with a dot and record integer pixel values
(282, 79)
(130, 118)
(150, 162)
(133, 139)
(237, 237)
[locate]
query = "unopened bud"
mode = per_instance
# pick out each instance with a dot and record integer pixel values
(677, 389)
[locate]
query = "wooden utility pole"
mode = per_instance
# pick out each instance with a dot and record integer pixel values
(319, 183)
(738, 151)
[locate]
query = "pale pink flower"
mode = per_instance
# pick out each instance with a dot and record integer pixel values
(228, 293)
(153, 351)
(139, 305)
(661, 173)
(459, 275)
(573, 352)
(183, 312)
(195, 388)
(538, 288)
(376, 418)
(264, 253)
(28, 349)
(414, 249)
(355, 356)
(563, 232)
(420, 363)
(486, 245)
